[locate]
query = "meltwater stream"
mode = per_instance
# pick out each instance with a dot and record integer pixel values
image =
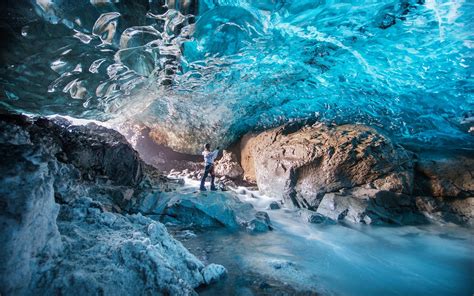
(298, 257)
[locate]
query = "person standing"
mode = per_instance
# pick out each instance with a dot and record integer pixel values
(209, 158)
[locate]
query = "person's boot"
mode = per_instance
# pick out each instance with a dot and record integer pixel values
(213, 186)
(203, 182)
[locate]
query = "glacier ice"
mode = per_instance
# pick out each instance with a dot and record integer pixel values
(198, 71)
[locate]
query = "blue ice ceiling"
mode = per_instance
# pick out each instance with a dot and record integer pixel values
(204, 70)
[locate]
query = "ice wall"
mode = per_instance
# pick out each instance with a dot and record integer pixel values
(199, 71)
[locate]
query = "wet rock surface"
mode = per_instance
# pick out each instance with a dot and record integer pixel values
(213, 273)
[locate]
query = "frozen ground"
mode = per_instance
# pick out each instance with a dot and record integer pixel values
(337, 259)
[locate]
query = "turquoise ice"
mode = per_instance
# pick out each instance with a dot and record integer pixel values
(216, 69)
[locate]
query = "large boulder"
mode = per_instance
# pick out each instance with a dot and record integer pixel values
(447, 209)
(301, 164)
(444, 184)
(204, 210)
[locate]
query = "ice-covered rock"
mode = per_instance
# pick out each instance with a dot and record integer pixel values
(210, 209)
(29, 235)
(261, 223)
(91, 246)
(112, 254)
(213, 272)
(274, 205)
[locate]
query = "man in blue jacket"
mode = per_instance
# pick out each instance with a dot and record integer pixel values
(209, 158)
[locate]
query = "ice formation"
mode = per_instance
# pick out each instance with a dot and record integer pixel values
(194, 70)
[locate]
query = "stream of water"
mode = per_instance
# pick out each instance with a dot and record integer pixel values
(299, 257)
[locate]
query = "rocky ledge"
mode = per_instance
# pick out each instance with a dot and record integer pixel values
(66, 197)
(356, 174)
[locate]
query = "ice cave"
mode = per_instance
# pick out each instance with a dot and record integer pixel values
(237, 147)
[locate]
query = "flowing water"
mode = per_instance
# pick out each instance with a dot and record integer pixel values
(338, 259)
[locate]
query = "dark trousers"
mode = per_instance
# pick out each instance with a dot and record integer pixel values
(208, 170)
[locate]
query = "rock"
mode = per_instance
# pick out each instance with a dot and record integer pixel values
(320, 219)
(451, 210)
(122, 254)
(185, 234)
(228, 166)
(261, 223)
(247, 152)
(28, 214)
(448, 177)
(337, 207)
(210, 209)
(444, 174)
(459, 211)
(89, 247)
(282, 264)
(274, 205)
(301, 164)
(213, 273)
(221, 186)
(370, 206)
(95, 151)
